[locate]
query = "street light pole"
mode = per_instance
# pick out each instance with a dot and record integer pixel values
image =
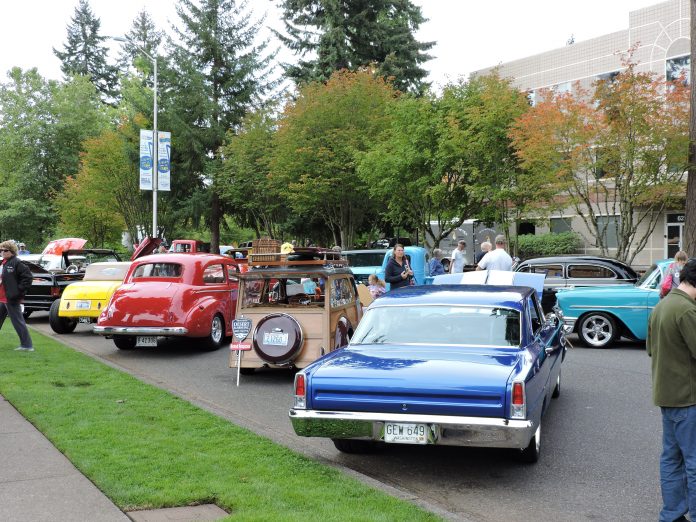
(155, 140)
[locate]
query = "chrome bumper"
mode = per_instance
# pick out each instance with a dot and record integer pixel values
(442, 430)
(141, 330)
(569, 324)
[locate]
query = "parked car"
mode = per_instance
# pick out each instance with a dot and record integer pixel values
(59, 266)
(302, 306)
(173, 295)
(190, 246)
(83, 301)
(566, 271)
(602, 315)
(463, 365)
(364, 263)
(418, 258)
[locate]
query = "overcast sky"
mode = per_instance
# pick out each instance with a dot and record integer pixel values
(469, 34)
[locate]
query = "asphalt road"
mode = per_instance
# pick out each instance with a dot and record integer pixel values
(600, 439)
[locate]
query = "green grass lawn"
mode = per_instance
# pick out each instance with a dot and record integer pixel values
(145, 448)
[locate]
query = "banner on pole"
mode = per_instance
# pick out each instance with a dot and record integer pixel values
(164, 154)
(146, 158)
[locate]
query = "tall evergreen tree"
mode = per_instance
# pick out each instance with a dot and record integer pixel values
(84, 53)
(329, 35)
(216, 75)
(143, 35)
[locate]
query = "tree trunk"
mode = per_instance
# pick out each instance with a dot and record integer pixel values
(689, 243)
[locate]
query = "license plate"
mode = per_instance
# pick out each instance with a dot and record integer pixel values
(84, 320)
(399, 433)
(275, 338)
(146, 341)
(83, 305)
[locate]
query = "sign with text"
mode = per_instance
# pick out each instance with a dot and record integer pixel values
(241, 328)
(241, 347)
(146, 159)
(164, 154)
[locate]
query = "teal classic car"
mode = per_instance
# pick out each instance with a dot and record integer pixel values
(601, 315)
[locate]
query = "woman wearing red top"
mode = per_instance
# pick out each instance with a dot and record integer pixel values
(15, 280)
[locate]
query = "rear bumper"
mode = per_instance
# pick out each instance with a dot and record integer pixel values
(442, 430)
(141, 330)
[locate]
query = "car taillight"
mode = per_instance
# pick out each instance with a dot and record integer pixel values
(518, 405)
(300, 391)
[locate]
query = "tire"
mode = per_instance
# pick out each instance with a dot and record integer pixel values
(354, 446)
(26, 314)
(125, 342)
(216, 337)
(60, 325)
(247, 371)
(530, 454)
(557, 390)
(597, 330)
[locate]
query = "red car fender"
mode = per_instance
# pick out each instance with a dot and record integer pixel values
(198, 319)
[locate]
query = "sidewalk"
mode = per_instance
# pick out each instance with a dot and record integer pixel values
(39, 484)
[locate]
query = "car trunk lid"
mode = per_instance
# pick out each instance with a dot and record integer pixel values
(428, 380)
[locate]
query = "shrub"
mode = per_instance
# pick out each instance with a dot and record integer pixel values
(562, 244)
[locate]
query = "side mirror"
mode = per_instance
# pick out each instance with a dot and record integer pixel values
(551, 319)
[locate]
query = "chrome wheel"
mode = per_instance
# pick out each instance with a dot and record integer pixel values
(597, 330)
(216, 332)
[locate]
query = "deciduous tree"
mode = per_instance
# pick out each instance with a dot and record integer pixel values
(619, 152)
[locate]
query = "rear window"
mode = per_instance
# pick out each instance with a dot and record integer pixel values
(590, 272)
(547, 270)
(157, 270)
(303, 290)
(439, 325)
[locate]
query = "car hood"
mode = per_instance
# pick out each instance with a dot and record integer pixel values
(100, 290)
(57, 246)
(153, 303)
(429, 380)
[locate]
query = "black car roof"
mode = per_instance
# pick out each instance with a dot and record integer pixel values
(581, 259)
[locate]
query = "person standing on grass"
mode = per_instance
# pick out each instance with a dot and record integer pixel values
(15, 280)
(671, 344)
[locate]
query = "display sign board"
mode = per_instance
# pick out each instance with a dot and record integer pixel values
(146, 159)
(241, 328)
(164, 154)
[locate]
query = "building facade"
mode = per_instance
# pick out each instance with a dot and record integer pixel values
(659, 36)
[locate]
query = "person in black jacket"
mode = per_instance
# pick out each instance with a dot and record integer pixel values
(15, 280)
(398, 272)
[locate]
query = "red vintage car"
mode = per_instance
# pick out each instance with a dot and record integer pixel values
(173, 295)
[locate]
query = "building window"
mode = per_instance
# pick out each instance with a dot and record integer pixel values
(532, 97)
(609, 77)
(676, 67)
(526, 228)
(560, 225)
(562, 88)
(608, 226)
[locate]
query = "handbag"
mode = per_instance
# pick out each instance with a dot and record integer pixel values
(666, 285)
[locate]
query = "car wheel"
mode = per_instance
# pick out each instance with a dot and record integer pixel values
(27, 313)
(557, 390)
(530, 454)
(597, 330)
(354, 446)
(247, 371)
(125, 342)
(216, 337)
(60, 325)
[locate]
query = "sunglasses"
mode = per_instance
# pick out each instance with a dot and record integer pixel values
(3, 250)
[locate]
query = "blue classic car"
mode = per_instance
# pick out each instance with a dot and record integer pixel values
(601, 315)
(462, 365)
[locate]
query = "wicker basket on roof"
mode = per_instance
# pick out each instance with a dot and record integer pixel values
(265, 249)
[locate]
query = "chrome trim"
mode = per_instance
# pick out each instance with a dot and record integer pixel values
(140, 330)
(606, 307)
(444, 430)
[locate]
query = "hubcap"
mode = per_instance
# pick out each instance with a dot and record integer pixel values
(216, 330)
(597, 330)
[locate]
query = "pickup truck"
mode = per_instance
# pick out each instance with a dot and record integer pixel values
(189, 246)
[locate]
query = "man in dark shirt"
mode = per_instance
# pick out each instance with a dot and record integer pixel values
(671, 343)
